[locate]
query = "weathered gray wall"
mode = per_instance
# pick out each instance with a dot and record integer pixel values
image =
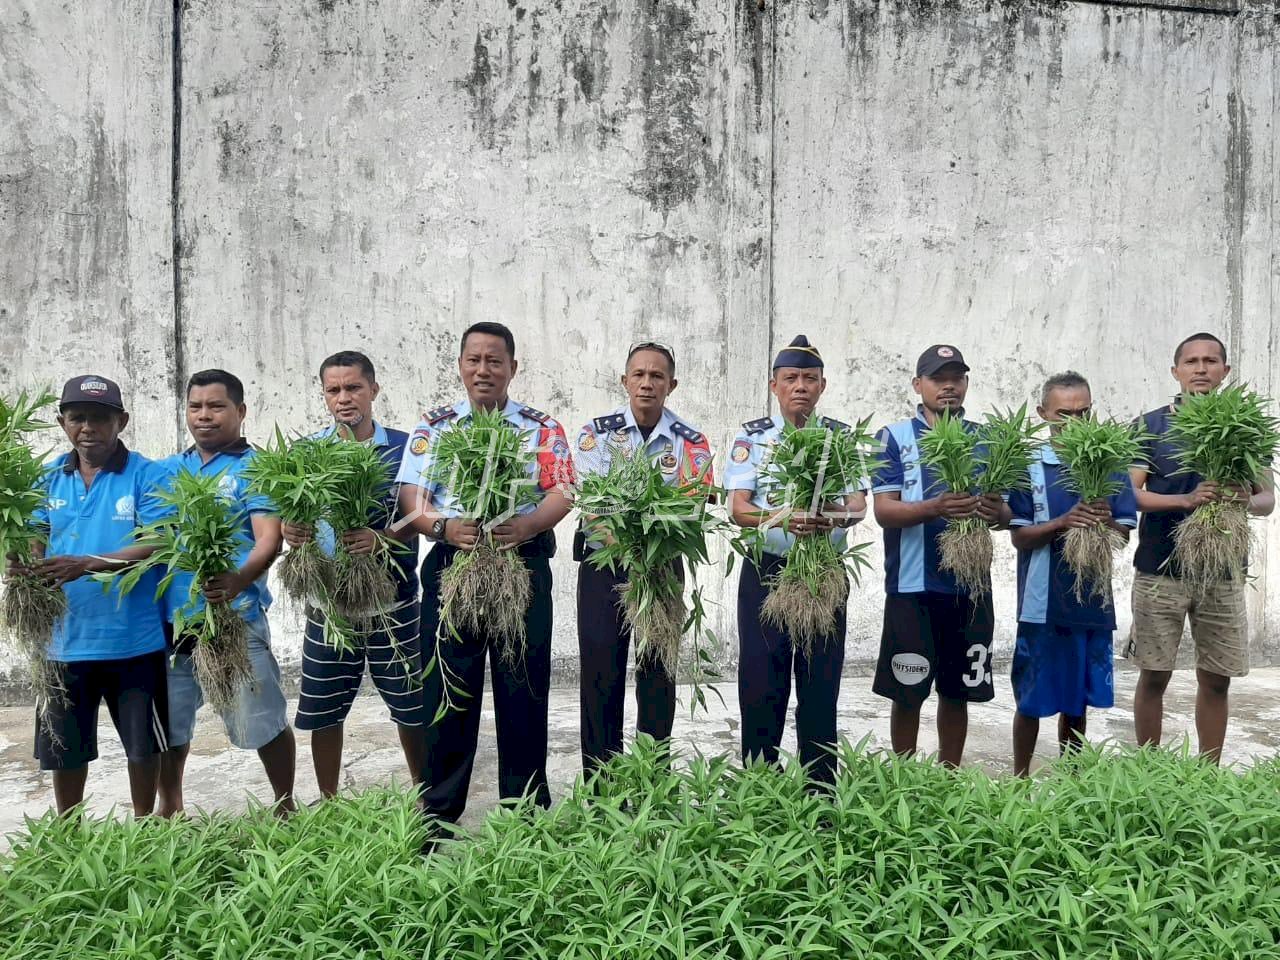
(1047, 184)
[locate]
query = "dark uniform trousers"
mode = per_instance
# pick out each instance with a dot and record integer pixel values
(766, 658)
(520, 694)
(604, 640)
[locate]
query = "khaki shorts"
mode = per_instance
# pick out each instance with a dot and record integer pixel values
(1161, 605)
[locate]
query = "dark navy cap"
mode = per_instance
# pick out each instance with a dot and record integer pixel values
(938, 356)
(798, 353)
(91, 388)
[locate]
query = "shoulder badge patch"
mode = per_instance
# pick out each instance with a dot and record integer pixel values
(758, 426)
(614, 421)
(587, 442)
(418, 445)
(741, 452)
(440, 414)
(687, 432)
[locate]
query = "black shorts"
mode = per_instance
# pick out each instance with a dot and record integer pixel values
(331, 678)
(137, 693)
(935, 639)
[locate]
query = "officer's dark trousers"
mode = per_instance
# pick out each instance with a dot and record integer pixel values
(603, 643)
(519, 695)
(766, 658)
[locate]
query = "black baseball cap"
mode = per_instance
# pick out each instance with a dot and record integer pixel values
(91, 388)
(938, 356)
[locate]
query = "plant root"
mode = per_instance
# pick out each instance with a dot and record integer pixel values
(966, 552)
(807, 615)
(486, 593)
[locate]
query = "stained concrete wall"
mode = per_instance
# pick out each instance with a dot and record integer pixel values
(1045, 184)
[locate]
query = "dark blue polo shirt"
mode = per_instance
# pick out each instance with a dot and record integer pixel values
(1155, 532)
(101, 518)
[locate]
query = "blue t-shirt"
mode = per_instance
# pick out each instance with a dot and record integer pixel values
(1155, 535)
(748, 470)
(391, 445)
(99, 519)
(1046, 585)
(229, 462)
(911, 554)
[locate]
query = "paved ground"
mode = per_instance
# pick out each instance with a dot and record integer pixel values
(219, 777)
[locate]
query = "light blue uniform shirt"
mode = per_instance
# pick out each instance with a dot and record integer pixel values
(680, 451)
(747, 458)
(551, 468)
(255, 599)
(95, 520)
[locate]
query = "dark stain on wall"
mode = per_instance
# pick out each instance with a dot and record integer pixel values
(233, 148)
(479, 86)
(670, 78)
(749, 25)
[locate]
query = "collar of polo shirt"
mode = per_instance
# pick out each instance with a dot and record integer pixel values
(660, 429)
(379, 438)
(115, 463)
(237, 449)
(959, 414)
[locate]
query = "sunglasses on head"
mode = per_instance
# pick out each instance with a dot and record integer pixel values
(650, 345)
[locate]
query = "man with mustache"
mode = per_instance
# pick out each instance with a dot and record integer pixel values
(486, 364)
(643, 426)
(1161, 604)
(935, 633)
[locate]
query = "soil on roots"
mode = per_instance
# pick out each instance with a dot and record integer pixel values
(486, 593)
(363, 587)
(1089, 552)
(965, 549)
(221, 660)
(31, 608)
(659, 629)
(807, 616)
(1212, 545)
(306, 574)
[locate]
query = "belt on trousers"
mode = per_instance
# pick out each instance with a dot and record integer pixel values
(543, 545)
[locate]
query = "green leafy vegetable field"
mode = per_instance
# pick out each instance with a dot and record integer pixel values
(1150, 855)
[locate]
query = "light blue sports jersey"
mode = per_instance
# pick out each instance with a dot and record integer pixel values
(255, 599)
(747, 458)
(1046, 584)
(100, 624)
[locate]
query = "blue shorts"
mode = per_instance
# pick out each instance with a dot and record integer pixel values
(331, 678)
(1061, 670)
(260, 713)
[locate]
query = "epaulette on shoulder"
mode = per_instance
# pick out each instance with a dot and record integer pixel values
(607, 424)
(533, 414)
(758, 426)
(831, 424)
(685, 431)
(440, 414)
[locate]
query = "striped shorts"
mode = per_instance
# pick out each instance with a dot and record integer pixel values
(331, 678)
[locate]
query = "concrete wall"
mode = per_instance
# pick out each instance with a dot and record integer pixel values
(1045, 184)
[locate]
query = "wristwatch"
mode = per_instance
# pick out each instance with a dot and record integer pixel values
(437, 528)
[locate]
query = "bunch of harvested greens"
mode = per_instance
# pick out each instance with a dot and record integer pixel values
(810, 469)
(649, 528)
(363, 585)
(1229, 438)
(487, 465)
(993, 459)
(298, 477)
(202, 534)
(31, 605)
(1096, 456)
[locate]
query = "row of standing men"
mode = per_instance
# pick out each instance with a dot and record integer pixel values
(935, 635)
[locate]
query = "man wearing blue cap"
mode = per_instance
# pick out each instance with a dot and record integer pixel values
(767, 656)
(935, 632)
(106, 646)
